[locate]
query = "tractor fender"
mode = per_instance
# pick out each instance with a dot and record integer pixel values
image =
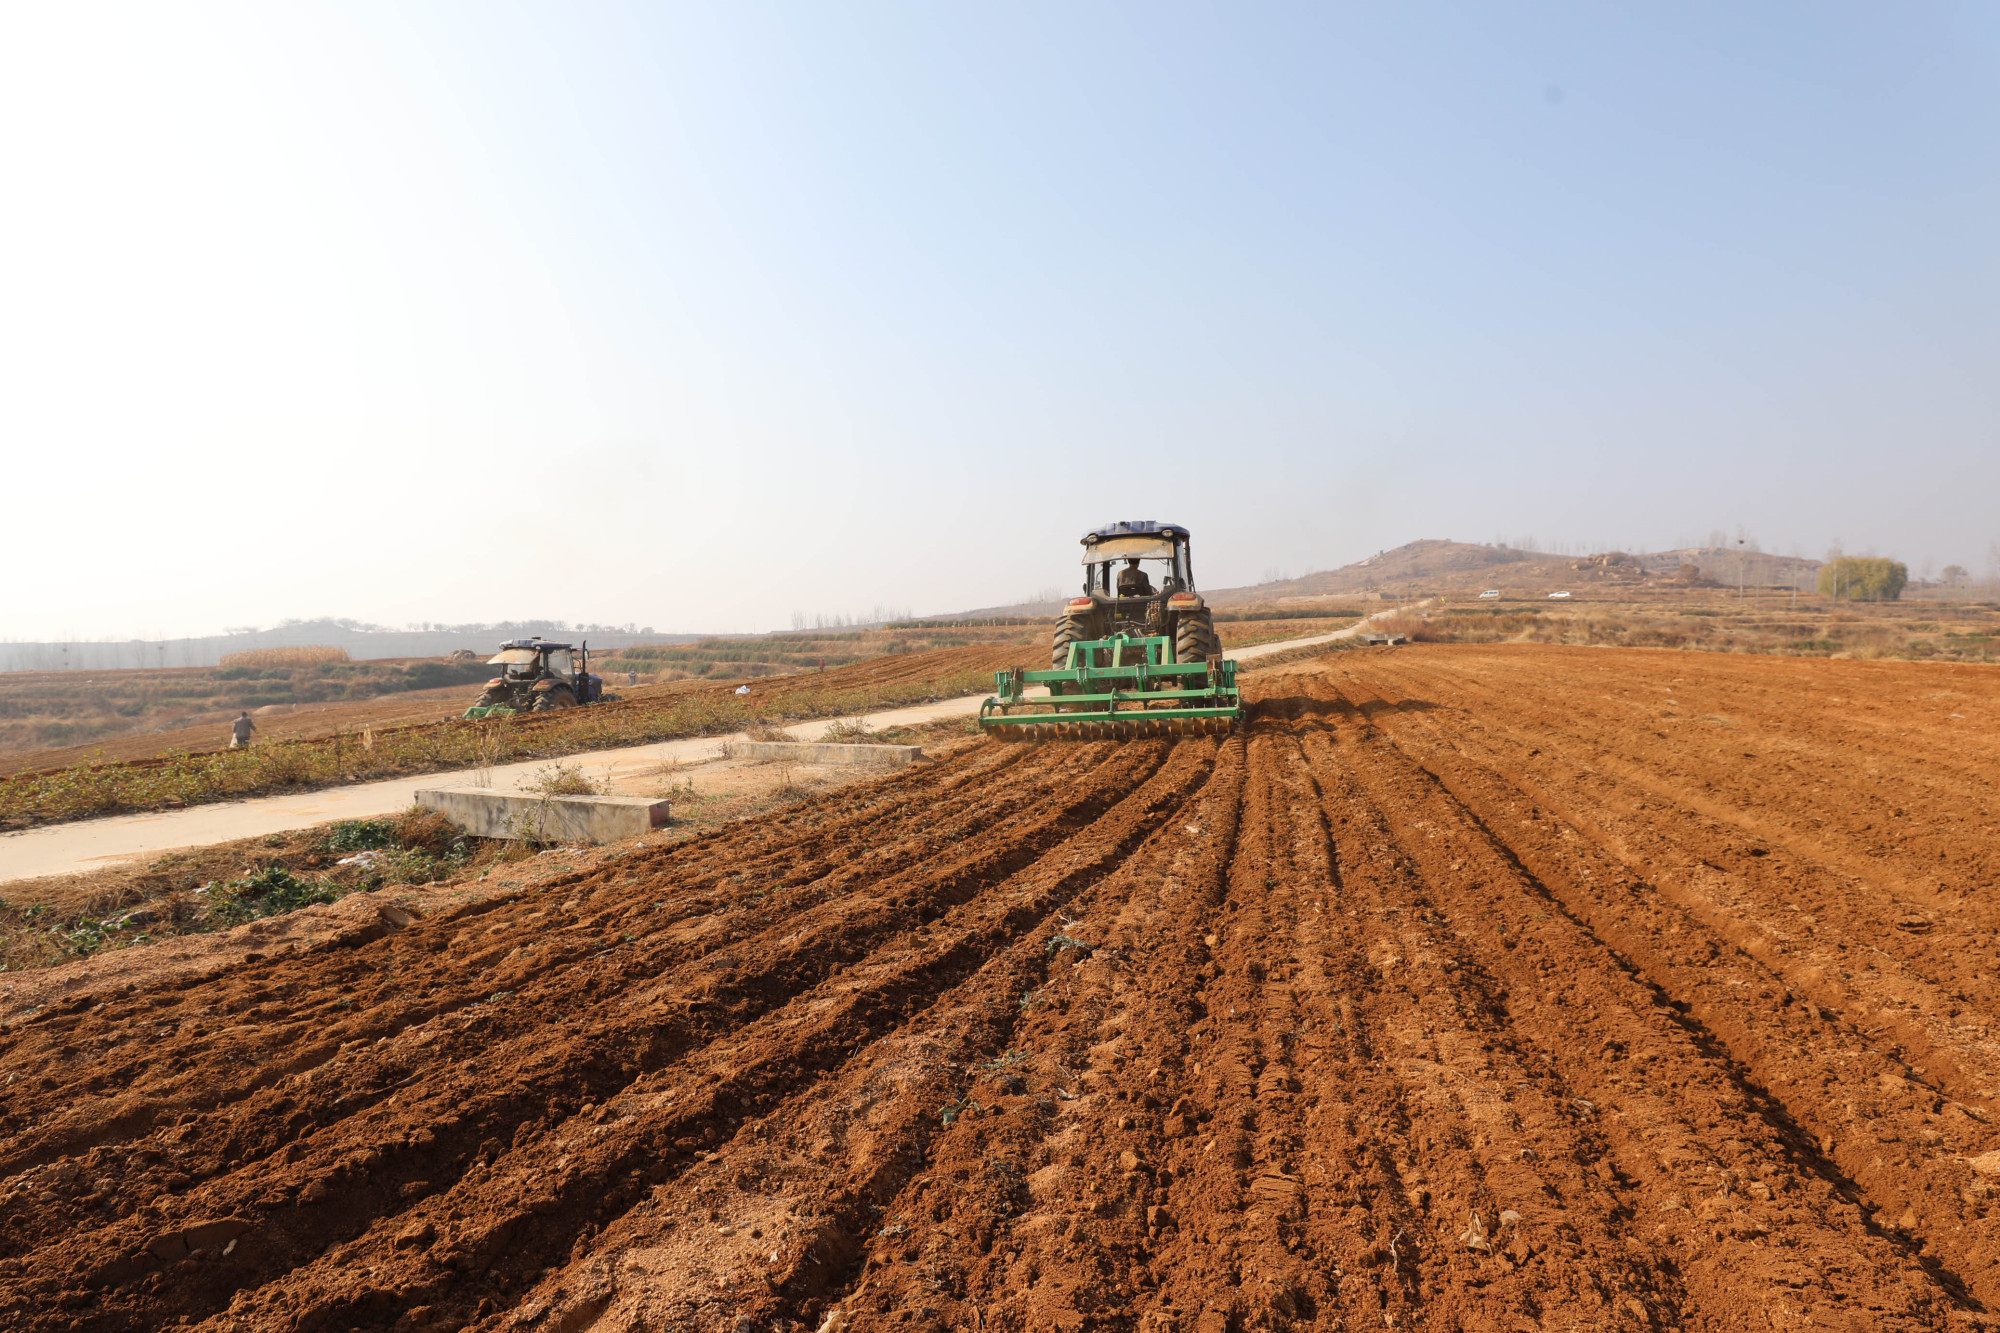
(1185, 601)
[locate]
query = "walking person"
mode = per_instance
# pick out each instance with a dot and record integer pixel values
(239, 731)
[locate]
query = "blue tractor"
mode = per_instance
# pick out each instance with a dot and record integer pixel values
(536, 677)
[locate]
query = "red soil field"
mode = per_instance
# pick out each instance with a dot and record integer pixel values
(1490, 988)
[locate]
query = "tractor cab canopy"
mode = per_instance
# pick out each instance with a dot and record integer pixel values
(1107, 547)
(1138, 540)
(518, 657)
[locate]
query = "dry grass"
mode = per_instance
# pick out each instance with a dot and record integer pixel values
(1814, 628)
(176, 780)
(1246, 633)
(755, 657)
(1413, 627)
(53, 709)
(282, 657)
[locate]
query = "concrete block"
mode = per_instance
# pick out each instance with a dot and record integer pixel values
(808, 752)
(489, 812)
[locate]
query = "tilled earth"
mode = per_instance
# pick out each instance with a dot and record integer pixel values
(1480, 988)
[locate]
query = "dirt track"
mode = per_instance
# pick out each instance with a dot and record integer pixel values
(1471, 988)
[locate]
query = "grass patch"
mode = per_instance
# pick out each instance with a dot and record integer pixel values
(360, 835)
(182, 893)
(267, 893)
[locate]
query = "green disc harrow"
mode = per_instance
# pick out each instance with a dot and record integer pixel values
(1115, 689)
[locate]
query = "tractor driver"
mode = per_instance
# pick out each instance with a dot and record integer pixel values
(1132, 581)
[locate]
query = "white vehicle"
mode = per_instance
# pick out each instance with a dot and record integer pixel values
(1558, 596)
(1489, 594)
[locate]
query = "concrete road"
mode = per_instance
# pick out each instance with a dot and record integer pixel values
(62, 849)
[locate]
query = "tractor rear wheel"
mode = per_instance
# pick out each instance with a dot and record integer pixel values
(560, 697)
(1195, 639)
(1072, 627)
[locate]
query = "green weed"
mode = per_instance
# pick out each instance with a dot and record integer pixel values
(266, 893)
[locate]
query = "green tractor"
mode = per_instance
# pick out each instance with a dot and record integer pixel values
(537, 677)
(1128, 659)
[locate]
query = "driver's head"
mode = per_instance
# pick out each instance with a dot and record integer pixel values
(1131, 564)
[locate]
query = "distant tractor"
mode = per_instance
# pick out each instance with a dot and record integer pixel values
(537, 677)
(1128, 658)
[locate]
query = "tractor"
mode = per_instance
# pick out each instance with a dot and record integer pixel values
(1128, 658)
(1123, 600)
(537, 677)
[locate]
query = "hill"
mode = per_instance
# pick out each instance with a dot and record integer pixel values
(1428, 566)
(1431, 566)
(361, 643)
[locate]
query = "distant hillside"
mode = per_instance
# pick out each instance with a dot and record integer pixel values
(1445, 566)
(1760, 569)
(1434, 566)
(1420, 565)
(362, 642)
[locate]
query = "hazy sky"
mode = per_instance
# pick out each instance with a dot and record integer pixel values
(694, 316)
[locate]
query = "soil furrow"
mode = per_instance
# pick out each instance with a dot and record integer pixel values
(1666, 1066)
(1481, 990)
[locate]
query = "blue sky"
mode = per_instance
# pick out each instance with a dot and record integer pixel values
(695, 316)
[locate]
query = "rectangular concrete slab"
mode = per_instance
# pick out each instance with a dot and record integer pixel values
(489, 812)
(804, 753)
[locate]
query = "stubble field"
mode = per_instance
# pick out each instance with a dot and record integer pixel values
(1469, 988)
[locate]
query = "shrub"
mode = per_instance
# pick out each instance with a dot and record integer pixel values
(360, 835)
(560, 779)
(848, 731)
(1863, 578)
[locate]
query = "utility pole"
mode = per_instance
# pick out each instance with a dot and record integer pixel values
(1739, 569)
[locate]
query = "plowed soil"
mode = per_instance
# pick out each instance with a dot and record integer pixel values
(1469, 988)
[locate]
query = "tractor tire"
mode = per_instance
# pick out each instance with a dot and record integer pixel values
(1071, 628)
(557, 698)
(1195, 639)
